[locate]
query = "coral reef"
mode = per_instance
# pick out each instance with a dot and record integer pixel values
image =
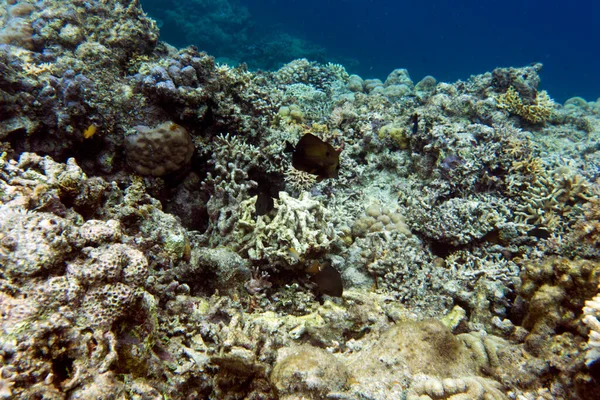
(299, 224)
(157, 242)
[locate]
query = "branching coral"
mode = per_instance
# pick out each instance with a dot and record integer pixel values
(546, 199)
(592, 320)
(229, 184)
(300, 224)
(299, 180)
(588, 226)
(537, 112)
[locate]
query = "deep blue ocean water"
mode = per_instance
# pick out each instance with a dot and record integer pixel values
(447, 39)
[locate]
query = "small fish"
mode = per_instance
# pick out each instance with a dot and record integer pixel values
(294, 255)
(327, 278)
(415, 121)
(315, 156)
(90, 131)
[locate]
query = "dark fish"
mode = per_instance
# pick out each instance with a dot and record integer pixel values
(267, 188)
(264, 203)
(315, 156)
(329, 281)
(540, 233)
(415, 121)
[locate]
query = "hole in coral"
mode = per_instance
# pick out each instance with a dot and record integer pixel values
(62, 368)
(595, 371)
(441, 249)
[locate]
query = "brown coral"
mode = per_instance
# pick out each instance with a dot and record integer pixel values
(555, 290)
(588, 227)
(535, 113)
(160, 150)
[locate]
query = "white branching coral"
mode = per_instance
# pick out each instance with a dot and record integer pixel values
(592, 320)
(300, 225)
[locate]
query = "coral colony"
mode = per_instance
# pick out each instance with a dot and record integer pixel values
(427, 240)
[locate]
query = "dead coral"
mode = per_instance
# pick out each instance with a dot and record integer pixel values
(300, 224)
(228, 183)
(307, 372)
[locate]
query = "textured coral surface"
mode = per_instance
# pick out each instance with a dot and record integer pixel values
(157, 243)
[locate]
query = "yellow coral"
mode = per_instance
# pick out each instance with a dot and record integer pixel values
(396, 133)
(537, 112)
(37, 69)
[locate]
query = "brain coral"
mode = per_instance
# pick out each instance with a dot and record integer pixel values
(32, 242)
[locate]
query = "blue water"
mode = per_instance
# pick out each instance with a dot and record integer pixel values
(447, 39)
